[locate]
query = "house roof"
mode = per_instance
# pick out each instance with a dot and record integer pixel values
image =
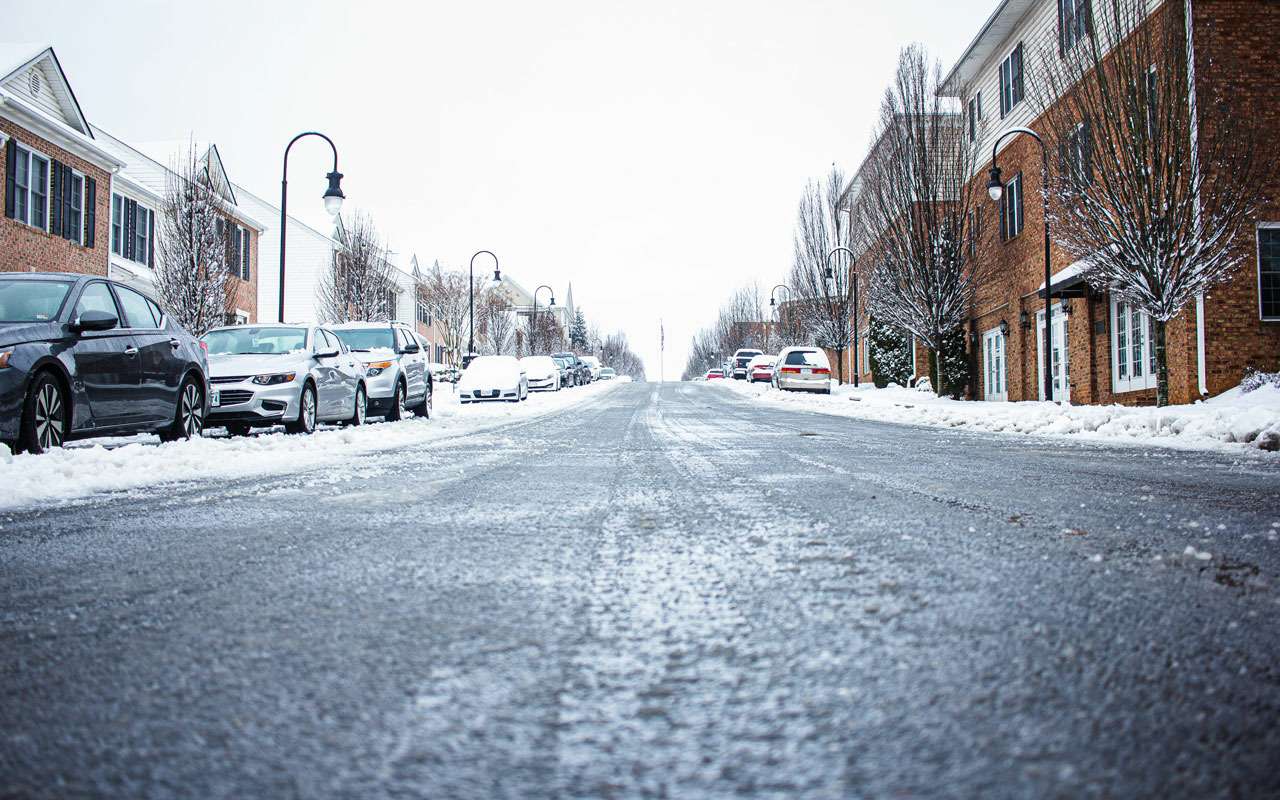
(16, 59)
(998, 27)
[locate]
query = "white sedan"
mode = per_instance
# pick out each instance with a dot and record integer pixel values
(493, 378)
(542, 373)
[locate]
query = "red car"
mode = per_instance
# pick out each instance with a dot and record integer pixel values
(760, 370)
(715, 374)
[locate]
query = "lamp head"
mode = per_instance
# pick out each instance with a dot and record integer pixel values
(995, 187)
(553, 301)
(333, 196)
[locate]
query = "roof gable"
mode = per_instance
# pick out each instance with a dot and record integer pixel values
(37, 79)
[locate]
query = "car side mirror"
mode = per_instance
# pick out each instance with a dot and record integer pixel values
(411, 348)
(326, 354)
(95, 321)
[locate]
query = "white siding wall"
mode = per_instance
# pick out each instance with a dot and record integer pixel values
(46, 100)
(308, 257)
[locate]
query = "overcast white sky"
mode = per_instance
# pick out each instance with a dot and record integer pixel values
(651, 153)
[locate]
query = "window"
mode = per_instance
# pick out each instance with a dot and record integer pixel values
(31, 188)
(993, 366)
(971, 234)
(1133, 357)
(975, 115)
(132, 229)
(142, 235)
(1011, 81)
(244, 254)
(1077, 154)
(26, 300)
(137, 309)
(424, 313)
(1269, 271)
(1011, 219)
(117, 224)
(1075, 22)
(73, 222)
(96, 297)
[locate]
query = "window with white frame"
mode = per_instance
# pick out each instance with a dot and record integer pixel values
(975, 115)
(1269, 271)
(1011, 217)
(1012, 81)
(31, 187)
(1075, 22)
(994, 384)
(132, 229)
(1133, 357)
(1077, 153)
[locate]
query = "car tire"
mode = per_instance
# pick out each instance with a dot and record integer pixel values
(361, 408)
(44, 416)
(423, 409)
(398, 410)
(188, 421)
(306, 421)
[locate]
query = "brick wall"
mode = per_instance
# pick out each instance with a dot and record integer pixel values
(247, 291)
(27, 249)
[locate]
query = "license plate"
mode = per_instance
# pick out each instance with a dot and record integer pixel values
(215, 398)
(806, 371)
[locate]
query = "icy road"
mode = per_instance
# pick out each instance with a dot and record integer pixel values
(657, 593)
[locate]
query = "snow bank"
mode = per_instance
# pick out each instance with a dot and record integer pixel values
(105, 465)
(1232, 420)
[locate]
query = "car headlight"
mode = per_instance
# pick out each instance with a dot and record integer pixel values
(376, 367)
(273, 380)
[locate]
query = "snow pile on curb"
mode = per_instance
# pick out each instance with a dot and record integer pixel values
(1231, 420)
(105, 465)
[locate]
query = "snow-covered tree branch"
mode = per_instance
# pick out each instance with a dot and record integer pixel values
(360, 284)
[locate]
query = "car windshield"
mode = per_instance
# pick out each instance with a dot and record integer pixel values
(366, 338)
(249, 340)
(32, 301)
(806, 358)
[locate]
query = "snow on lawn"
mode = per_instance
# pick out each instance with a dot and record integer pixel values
(104, 465)
(1230, 421)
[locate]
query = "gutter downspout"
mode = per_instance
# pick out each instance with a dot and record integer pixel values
(1195, 172)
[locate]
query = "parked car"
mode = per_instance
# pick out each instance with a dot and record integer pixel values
(607, 374)
(395, 367)
(593, 364)
(760, 369)
(568, 376)
(493, 378)
(803, 369)
(444, 373)
(542, 373)
(295, 375)
(740, 360)
(715, 374)
(82, 356)
(581, 372)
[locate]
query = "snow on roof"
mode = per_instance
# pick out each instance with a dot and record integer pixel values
(1067, 274)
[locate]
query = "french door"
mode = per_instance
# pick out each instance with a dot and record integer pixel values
(1061, 361)
(994, 385)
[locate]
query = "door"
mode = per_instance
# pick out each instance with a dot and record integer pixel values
(1061, 357)
(107, 364)
(414, 365)
(160, 371)
(330, 384)
(994, 386)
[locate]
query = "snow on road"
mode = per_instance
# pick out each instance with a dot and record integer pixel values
(94, 466)
(1232, 421)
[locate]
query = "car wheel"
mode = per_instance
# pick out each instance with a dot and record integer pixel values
(424, 409)
(44, 416)
(362, 407)
(398, 411)
(188, 420)
(306, 421)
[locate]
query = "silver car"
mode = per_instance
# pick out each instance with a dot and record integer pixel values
(295, 375)
(395, 367)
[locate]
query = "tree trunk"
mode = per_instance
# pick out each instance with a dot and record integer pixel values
(1162, 363)
(840, 365)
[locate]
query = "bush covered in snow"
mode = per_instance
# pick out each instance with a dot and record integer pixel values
(1256, 379)
(889, 351)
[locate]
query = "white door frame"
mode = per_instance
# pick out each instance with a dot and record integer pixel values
(995, 364)
(1062, 380)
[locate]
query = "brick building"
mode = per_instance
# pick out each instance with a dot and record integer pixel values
(57, 177)
(1102, 349)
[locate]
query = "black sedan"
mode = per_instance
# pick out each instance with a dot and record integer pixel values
(85, 356)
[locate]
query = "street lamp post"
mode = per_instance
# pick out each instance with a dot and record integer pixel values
(533, 317)
(772, 301)
(471, 301)
(995, 188)
(333, 198)
(853, 285)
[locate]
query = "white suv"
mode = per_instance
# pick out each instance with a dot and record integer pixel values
(395, 367)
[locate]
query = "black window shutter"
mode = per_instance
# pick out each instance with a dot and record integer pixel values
(151, 239)
(1062, 29)
(57, 190)
(245, 253)
(1004, 204)
(1084, 17)
(10, 176)
(131, 230)
(1086, 150)
(90, 212)
(1018, 83)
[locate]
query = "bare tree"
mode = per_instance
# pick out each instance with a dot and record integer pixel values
(616, 352)
(194, 279)
(444, 293)
(543, 332)
(912, 211)
(1151, 194)
(496, 322)
(360, 284)
(823, 303)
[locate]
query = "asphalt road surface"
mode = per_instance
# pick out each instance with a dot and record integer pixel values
(664, 593)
